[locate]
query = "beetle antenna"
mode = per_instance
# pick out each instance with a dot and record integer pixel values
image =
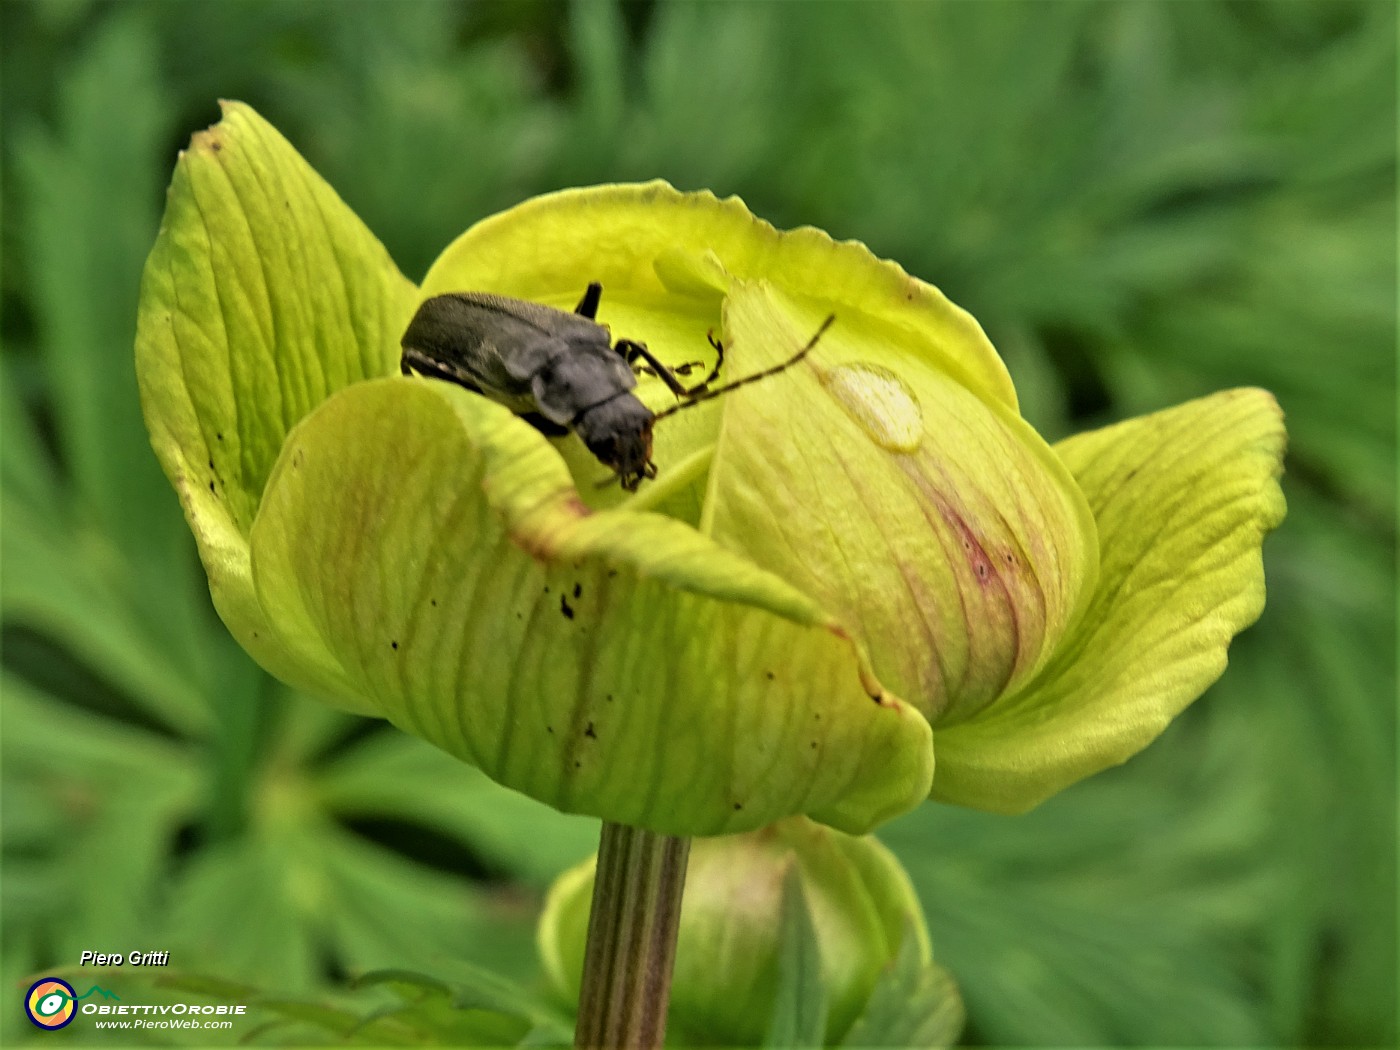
(706, 395)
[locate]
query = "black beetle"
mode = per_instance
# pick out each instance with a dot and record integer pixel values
(560, 371)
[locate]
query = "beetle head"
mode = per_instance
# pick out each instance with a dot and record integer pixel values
(618, 432)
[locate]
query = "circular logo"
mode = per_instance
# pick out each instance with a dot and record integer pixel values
(50, 1003)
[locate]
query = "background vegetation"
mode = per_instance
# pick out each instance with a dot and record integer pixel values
(1142, 202)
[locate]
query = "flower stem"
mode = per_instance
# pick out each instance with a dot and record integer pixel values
(631, 939)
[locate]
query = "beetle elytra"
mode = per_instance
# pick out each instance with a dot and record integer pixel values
(560, 371)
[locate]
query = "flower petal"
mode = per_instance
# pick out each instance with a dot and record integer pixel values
(938, 526)
(262, 296)
(649, 241)
(427, 548)
(1183, 499)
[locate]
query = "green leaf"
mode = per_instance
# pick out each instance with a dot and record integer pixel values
(62, 591)
(472, 989)
(26, 471)
(427, 549)
(83, 238)
(915, 1004)
(599, 39)
(800, 1006)
(246, 905)
(333, 1019)
(205, 985)
(398, 776)
(424, 1013)
(1183, 499)
(378, 906)
(432, 1010)
(262, 296)
(409, 985)
(106, 797)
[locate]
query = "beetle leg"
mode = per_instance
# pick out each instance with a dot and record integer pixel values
(719, 363)
(631, 351)
(588, 305)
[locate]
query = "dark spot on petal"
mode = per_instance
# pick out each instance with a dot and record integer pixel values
(519, 615)
(546, 588)
(817, 715)
(578, 764)
(814, 745)
(578, 590)
(588, 732)
(434, 601)
(211, 464)
(219, 436)
(211, 486)
(393, 645)
(549, 729)
(612, 573)
(737, 807)
(565, 607)
(770, 675)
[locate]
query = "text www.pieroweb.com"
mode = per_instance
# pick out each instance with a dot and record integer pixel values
(208, 1017)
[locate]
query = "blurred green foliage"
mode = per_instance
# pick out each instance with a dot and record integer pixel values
(1142, 202)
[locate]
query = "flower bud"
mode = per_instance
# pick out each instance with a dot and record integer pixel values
(860, 901)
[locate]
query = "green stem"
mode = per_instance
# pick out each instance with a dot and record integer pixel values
(631, 939)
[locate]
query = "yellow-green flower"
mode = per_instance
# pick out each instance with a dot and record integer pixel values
(840, 572)
(728, 969)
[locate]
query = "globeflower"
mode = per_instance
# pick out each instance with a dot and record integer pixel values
(843, 576)
(879, 985)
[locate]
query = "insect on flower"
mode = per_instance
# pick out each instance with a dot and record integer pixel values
(559, 371)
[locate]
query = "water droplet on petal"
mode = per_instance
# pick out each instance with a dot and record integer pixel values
(880, 402)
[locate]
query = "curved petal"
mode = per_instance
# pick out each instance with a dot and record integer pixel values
(263, 295)
(650, 242)
(428, 549)
(940, 528)
(1183, 499)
